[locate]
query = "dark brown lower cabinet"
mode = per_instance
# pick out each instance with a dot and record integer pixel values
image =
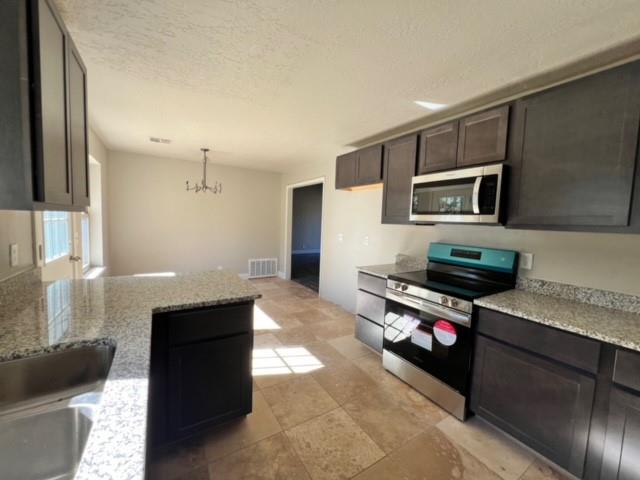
(621, 459)
(207, 383)
(542, 403)
(200, 369)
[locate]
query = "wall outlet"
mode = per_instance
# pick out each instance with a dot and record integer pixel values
(14, 254)
(365, 241)
(340, 238)
(526, 261)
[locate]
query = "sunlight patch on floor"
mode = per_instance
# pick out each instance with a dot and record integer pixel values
(283, 361)
(262, 321)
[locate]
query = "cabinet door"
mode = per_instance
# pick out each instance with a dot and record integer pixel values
(621, 459)
(399, 168)
(369, 165)
(483, 137)
(78, 128)
(438, 148)
(53, 169)
(209, 382)
(542, 403)
(574, 152)
(346, 170)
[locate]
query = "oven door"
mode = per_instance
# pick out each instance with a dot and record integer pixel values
(433, 338)
(470, 195)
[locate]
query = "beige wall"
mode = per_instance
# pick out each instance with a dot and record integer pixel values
(99, 200)
(605, 261)
(15, 227)
(155, 225)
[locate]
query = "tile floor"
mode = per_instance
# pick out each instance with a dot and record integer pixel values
(324, 408)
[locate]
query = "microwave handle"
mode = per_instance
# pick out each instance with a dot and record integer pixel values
(475, 199)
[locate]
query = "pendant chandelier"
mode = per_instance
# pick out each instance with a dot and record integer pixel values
(202, 186)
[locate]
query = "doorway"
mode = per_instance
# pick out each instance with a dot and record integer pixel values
(306, 235)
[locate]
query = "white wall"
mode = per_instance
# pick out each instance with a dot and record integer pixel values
(15, 227)
(605, 261)
(99, 222)
(155, 225)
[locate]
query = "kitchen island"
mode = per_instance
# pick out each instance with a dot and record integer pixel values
(40, 318)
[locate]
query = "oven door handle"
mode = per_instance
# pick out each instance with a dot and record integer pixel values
(475, 199)
(428, 307)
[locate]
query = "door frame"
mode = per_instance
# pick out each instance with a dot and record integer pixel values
(288, 224)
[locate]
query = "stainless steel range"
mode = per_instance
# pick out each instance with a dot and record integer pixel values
(428, 331)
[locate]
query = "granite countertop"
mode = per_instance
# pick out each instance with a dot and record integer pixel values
(404, 263)
(609, 325)
(383, 271)
(117, 310)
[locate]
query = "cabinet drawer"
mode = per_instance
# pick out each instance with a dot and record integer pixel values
(202, 324)
(627, 369)
(369, 333)
(564, 347)
(372, 284)
(371, 307)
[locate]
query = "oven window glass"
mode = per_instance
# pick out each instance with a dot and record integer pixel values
(430, 342)
(451, 197)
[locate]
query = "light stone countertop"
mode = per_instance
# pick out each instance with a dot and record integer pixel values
(383, 271)
(117, 310)
(404, 263)
(606, 324)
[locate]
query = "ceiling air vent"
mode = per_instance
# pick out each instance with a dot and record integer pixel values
(159, 140)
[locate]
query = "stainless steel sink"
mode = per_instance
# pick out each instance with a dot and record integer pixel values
(47, 406)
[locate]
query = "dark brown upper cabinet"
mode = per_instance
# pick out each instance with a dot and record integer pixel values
(359, 168)
(79, 152)
(574, 152)
(16, 177)
(346, 170)
(51, 153)
(399, 167)
(438, 148)
(43, 111)
(483, 137)
(369, 165)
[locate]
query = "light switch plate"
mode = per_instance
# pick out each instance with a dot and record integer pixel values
(340, 238)
(14, 254)
(526, 261)
(365, 241)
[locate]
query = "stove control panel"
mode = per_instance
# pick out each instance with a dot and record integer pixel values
(428, 295)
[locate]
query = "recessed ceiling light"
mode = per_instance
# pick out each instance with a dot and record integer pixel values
(430, 105)
(159, 140)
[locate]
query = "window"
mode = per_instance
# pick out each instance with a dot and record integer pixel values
(57, 238)
(86, 243)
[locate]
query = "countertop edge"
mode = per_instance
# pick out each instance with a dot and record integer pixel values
(616, 340)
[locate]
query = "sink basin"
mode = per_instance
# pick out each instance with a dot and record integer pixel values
(47, 406)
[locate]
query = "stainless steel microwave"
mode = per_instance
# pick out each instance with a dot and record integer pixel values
(467, 195)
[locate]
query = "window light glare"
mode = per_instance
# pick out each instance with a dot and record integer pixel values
(430, 105)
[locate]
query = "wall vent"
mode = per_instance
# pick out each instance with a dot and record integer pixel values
(263, 267)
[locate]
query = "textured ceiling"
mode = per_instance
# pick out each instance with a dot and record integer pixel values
(269, 83)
